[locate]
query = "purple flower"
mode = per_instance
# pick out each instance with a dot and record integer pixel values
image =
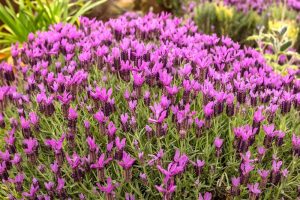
(17, 159)
(32, 192)
(2, 122)
(87, 124)
(73, 161)
(100, 117)
(72, 115)
(159, 113)
(18, 181)
(198, 166)
(206, 196)
(296, 144)
(218, 142)
(156, 158)
(276, 165)
(49, 185)
(101, 162)
(263, 173)
(275, 173)
(208, 110)
(56, 145)
(60, 186)
(124, 118)
(270, 133)
(138, 79)
(120, 144)
(269, 130)
(34, 119)
(236, 181)
(167, 190)
(54, 167)
(254, 190)
(126, 161)
(31, 145)
(257, 119)
(109, 188)
(91, 143)
(111, 130)
(285, 172)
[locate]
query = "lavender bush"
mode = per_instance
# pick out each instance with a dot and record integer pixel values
(145, 108)
(261, 5)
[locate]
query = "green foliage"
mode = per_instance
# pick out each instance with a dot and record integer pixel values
(280, 45)
(225, 20)
(38, 15)
(171, 5)
(222, 20)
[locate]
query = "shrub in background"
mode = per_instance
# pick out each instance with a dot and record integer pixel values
(276, 48)
(146, 108)
(241, 19)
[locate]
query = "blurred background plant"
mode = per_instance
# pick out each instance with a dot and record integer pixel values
(239, 21)
(276, 46)
(218, 18)
(21, 17)
(171, 5)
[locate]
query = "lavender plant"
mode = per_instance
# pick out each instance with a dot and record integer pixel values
(145, 108)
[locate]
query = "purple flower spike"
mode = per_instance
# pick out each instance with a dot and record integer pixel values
(100, 165)
(199, 127)
(129, 196)
(56, 146)
(127, 163)
(74, 163)
(264, 174)
(60, 187)
(254, 191)
(261, 152)
(218, 144)
(31, 147)
(198, 166)
(167, 190)
(2, 122)
(159, 116)
(34, 119)
(72, 119)
(18, 181)
(108, 189)
(206, 196)
(101, 119)
(296, 145)
(269, 134)
(93, 148)
(235, 188)
(111, 130)
(87, 127)
(25, 124)
(275, 173)
(257, 119)
(124, 121)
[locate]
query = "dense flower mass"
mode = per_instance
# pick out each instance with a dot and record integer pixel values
(145, 108)
(261, 5)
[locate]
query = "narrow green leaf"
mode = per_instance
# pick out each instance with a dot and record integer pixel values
(283, 30)
(285, 46)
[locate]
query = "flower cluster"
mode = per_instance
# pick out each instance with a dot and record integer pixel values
(261, 5)
(144, 107)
